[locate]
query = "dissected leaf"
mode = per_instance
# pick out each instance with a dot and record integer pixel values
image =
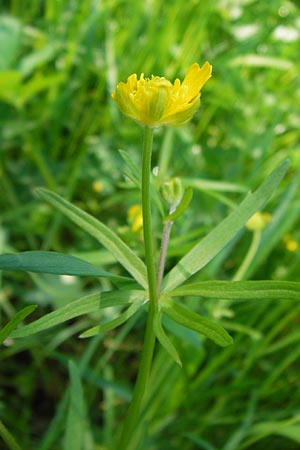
(200, 324)
(84, 305)
(52, 262)
(101, 232)
(216, 240)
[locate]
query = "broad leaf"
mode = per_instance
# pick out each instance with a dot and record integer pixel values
(241, 290)
(111, 324)
(215, 241)
(11, 325)
(200, 324)
(84, 305)
(101, 232)
(52, 262)
(164, 339)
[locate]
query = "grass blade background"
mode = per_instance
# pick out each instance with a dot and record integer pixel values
(11, 325)
(76, 419)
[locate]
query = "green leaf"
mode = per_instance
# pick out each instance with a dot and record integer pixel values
(202, 325)
(101, 232)
(209, 185)
(241, 290)
(253, 60)
(76, 419)
(8, 438)
(286, 428)
(11, 325)
(52, 262)
(164, 339)
(185, 201)
(215, 241)
(111, 324)
(84, 305)
(10, 41)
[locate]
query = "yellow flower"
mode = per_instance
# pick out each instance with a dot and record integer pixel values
(135, 218)
(290, 244)
(156, 101)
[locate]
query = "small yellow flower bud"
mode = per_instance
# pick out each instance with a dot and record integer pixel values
(258, 221)
(97, 186)
(156, 101)
(172, 191)
(290, 244)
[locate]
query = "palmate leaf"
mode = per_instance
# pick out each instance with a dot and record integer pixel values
(111, 324)
(84, 305)
(132, 263)
(195, 322)
(52, 262)
(215, 241)
(241, 290)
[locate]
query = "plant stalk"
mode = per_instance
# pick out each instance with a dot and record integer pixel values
(149, 339)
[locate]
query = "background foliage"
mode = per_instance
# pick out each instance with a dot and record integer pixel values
(59, 62)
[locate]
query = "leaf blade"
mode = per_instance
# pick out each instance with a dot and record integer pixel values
(195, 322)
(241, 290)
(76, 418)
(215, 241)
(11, 325)
(53, 263)
(164, 340)
(84, 305)
(111, 324)
(132, 263)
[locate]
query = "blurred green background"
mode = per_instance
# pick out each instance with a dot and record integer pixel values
(59, 62)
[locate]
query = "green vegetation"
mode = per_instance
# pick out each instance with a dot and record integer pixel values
(61, 132)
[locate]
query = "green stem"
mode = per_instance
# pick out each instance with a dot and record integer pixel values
(240, 274)
(149, 340)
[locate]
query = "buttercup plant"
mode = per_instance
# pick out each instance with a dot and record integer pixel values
(152, 102)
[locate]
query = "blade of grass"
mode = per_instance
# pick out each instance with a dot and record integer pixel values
(222, 234)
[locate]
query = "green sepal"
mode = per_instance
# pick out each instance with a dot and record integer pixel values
(184, 203)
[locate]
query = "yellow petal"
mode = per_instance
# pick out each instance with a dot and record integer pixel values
(195, 78)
